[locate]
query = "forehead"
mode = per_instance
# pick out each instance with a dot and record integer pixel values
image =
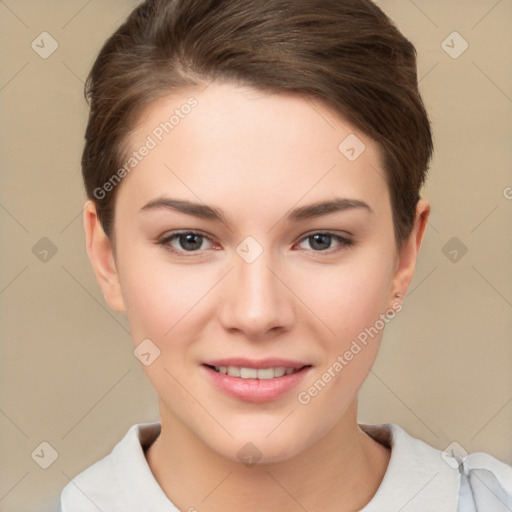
(235, 145)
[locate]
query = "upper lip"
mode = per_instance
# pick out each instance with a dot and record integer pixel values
(242, 362)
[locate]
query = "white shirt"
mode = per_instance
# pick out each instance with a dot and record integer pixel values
(419, 478)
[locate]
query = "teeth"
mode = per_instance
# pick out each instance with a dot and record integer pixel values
(267, 373)
(234, 371)
(254, 373)
(280, 371)
(249, 373)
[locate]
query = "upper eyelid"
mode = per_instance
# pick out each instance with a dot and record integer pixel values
(174, 234)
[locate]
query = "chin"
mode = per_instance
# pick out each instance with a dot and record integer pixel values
(261, 444)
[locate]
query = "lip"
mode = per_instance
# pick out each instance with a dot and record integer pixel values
(253, 363)
(256, 390)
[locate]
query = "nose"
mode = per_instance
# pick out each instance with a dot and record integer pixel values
(257, 301)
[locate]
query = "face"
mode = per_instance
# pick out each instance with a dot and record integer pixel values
(257, 300)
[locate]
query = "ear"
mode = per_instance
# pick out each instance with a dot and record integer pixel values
(410, 249)
(102, 258)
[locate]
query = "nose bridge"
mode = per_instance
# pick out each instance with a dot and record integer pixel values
(257, 300)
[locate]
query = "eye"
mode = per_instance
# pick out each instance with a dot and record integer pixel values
(321, 242)
(188, 242)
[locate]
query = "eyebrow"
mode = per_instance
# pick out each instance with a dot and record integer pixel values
(309, 211)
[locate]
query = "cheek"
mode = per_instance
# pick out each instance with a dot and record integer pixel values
(162, 299)
(347, 298)
(353, 312)
(351, 302)
(166, 303)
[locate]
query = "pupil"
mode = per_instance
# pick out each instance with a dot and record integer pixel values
(323, 238)
(191, 241)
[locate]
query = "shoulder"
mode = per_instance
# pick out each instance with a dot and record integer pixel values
(86, 490)
(485, 482)
(420, 477)
(119, 481)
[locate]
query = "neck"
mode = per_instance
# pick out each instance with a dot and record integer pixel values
(340, 472)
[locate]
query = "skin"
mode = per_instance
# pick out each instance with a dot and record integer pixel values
(256, 156)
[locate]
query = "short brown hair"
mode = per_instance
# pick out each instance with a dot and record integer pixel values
(346, 53)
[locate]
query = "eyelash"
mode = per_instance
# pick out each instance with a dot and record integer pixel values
(344, 242)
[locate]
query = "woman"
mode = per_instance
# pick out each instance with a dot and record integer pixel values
(253, 171)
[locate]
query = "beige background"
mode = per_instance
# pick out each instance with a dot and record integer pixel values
(68, 375)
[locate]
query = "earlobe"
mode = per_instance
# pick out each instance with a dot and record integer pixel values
(409, 251)
(102, 258)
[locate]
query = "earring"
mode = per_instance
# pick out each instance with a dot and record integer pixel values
(398, 295)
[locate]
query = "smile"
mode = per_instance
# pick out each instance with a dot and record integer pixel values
(255, 381)
(254, 373)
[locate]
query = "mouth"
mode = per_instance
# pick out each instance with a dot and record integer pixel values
(241, 372)
(255, 381)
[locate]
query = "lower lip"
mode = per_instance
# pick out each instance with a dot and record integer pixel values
(256, 390)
